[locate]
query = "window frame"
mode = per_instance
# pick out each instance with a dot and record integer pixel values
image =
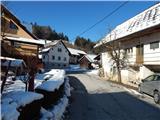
(154, 45)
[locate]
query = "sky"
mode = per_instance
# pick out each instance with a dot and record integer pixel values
(72, 18)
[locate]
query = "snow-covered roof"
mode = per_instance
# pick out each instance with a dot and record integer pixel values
(51, 43)
(25, 40)
(90, 57)
(75, 51)
(45, 41)
(40, 56)
(14, 62)
(144, 20)
(45, 50)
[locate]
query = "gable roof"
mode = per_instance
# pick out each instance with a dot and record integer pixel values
(76, 51)
(90, 57)
(50, 45)
(144, 20)
(7, 12)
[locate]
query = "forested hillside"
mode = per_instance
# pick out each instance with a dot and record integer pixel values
(46, 32)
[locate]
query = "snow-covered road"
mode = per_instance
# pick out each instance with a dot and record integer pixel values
(96, 99)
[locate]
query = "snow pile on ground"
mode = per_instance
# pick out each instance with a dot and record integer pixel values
(22, 98)
(59, 109)
(93, 72)
(56, 111)
(51, 85)
(74, 68)
(46, 115)
(55, 78)
(13, 100)
(11, 85)
(9, 109)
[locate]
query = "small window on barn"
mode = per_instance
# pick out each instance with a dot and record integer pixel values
(65, 58)
(154, 45)
(13, 26)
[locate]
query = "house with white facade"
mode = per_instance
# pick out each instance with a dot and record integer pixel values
(75, 55)
(139, 37)
(55, 55)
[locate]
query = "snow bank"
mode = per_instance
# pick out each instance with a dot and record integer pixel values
(8, 109)
(51, 85)
(93, 72)
(46, 115)
(67, 87)
(17, 85)
(55, 78)
(56, 111)
(22, 98)
(59, 109)
(75, 68)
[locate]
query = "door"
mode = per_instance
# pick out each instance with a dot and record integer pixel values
(139, 54)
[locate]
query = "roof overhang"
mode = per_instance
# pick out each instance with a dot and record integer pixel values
(24, 40)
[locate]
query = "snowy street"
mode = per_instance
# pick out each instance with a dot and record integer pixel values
(95, 99)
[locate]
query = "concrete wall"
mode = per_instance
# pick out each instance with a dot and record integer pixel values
(144, 72)
(106, 64)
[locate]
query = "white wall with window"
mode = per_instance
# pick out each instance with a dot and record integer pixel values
(152, 53)
(57, 56)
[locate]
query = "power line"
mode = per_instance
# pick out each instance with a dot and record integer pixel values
(105, 17)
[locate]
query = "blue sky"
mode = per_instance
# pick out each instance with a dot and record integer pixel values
(72, 18)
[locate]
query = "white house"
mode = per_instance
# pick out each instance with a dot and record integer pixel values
(139, 37)
(55, 55)
(75, 55)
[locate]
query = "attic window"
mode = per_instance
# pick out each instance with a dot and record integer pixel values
(59, 50)
(12, 25)
(154, 45)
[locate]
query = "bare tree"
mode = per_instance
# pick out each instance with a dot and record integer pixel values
(118, 56)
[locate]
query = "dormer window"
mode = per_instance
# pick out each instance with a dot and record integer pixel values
(12, 26)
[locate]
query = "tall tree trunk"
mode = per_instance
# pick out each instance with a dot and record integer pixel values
(119, 74)
(31, 80)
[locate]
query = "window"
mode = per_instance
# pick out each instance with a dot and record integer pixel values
(150, 78)
(154, 45)
(65, 58)
(12, 25)
(59, 50)
(64, 65)
(43, 56)
(53, 57)
(59, 58)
